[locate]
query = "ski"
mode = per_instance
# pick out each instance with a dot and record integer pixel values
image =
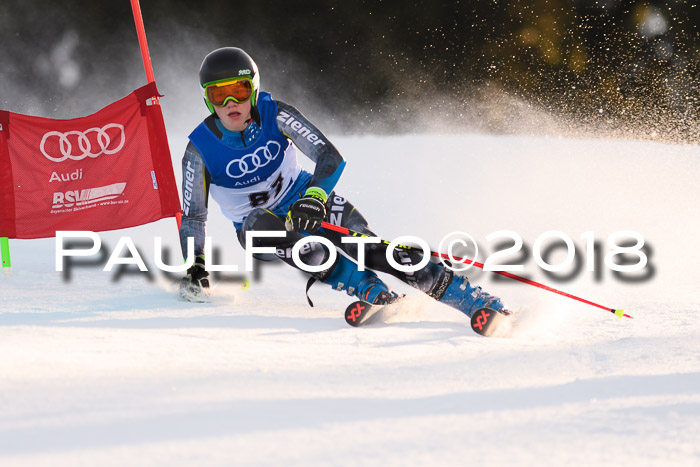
(486, 322)
(491, 323)
(360, 312)
(193, 292)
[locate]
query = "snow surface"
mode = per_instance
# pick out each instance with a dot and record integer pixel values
(99, 371)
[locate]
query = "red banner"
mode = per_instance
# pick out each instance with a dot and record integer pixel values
(110, 170)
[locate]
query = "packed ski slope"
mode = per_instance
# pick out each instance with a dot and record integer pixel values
(114, 371)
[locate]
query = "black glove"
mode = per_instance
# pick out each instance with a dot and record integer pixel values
(308, 212)
(197, 273)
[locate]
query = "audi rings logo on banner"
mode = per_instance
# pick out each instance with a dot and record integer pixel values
(105, 143)
(249, 163)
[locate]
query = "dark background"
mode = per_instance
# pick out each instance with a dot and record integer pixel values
(607, 67)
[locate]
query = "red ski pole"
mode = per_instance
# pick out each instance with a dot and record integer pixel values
(618, 313)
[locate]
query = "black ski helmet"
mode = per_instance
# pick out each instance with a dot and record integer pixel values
(228, 63)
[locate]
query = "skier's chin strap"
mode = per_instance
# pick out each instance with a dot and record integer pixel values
(255, 115)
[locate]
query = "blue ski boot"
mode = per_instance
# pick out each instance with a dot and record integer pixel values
(365, 285)
(460, 294)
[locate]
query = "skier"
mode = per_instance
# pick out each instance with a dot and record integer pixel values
(242, 154)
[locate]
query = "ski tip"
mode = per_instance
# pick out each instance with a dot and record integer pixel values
(356, 312)
(490, 323)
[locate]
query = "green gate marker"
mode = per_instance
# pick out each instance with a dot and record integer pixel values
(5, 252)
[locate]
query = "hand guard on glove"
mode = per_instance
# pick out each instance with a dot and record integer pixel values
(308, 212)
(197, 274)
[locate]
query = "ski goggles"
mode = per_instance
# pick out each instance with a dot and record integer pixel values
(239, 90)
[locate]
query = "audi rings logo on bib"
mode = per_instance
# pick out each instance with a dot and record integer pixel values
(77, 145)
(250, 163)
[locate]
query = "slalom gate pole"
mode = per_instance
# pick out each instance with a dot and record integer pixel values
(618, 313)
(146, 56)
(5, 254)
(141, 31)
